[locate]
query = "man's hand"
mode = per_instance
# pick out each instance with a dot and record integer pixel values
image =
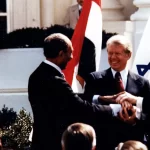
(109, 98)
(126, 117)
(81, 80)
(126, 97)
(126, 104)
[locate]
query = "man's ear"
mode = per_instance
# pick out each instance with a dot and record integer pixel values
(129, 55)
(60, 53)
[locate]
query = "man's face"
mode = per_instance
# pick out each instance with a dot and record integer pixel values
(80, 2)
(117, 58)
(66, 57)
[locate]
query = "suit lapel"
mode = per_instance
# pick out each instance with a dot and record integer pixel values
(133, 83)
(75, 11)
(109, 82)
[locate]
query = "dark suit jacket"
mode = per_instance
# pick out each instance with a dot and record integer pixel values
(103, 83)
(55, 106)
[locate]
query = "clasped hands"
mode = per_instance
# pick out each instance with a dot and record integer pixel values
(126, 100)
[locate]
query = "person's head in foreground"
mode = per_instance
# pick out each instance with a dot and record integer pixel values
(132, 145)
(79, 136)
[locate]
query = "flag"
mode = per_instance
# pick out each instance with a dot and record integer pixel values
(141, 64)
(89, 25)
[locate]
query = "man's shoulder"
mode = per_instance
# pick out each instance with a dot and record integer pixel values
(76, 6)
(101, 74)
(137, 76)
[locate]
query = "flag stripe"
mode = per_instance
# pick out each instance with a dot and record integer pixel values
(77, 41)
(89, 25)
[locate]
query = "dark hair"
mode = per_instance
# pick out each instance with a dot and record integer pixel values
(54, 43)
(79, 136)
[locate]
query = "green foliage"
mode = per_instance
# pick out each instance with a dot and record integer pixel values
(7, 117)
(33, 37)
(17, 134)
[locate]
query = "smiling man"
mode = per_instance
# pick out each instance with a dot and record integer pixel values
(103, 88)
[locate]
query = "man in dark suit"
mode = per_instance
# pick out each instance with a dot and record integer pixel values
(100, 86)
(53, 102)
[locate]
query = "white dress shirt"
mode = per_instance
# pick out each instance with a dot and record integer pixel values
(55, 66)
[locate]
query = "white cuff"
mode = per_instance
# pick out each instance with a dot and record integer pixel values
(139, 102)
(115, 109)
(138, 112)
(95, 99)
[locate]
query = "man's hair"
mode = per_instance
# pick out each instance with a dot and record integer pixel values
(133, 145)
(120, 40)
(79, 136)
(54, 43)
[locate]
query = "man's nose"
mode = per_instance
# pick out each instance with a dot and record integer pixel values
(113, 55)
(71, 56)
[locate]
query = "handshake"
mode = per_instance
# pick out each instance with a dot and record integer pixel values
(127, 113)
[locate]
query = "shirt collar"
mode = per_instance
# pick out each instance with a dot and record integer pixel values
(80, 7)
(123, 73)
(53, 65)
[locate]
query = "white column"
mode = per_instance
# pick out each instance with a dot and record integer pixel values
(113, 18)
(61, 13)
(47, 12)
(143, 12)
(112, 10)
(19, 18)
(33, 13)
(139, 20)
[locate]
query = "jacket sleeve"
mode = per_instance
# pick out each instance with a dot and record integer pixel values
(89, 88)
(80, 107)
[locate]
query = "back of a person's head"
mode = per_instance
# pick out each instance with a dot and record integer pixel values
(54, 43)
(79, 136)
(133, 145)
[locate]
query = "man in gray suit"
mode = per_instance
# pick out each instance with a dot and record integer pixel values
(72, 14)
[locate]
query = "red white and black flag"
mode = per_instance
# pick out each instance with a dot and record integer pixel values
(89, 25)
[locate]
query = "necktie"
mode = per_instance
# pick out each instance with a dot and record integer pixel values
(119, 82)
(80, 11)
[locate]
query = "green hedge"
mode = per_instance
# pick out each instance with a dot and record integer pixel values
(15, 128)
(34, 37)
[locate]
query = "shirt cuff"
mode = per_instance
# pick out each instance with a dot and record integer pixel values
(139, 102)
(115, 109)
(138, 112)
(95, 99)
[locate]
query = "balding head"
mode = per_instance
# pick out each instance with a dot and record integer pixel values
(54, 43)
(58, 49)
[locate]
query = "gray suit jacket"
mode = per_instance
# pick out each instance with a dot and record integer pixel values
(72, 16)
